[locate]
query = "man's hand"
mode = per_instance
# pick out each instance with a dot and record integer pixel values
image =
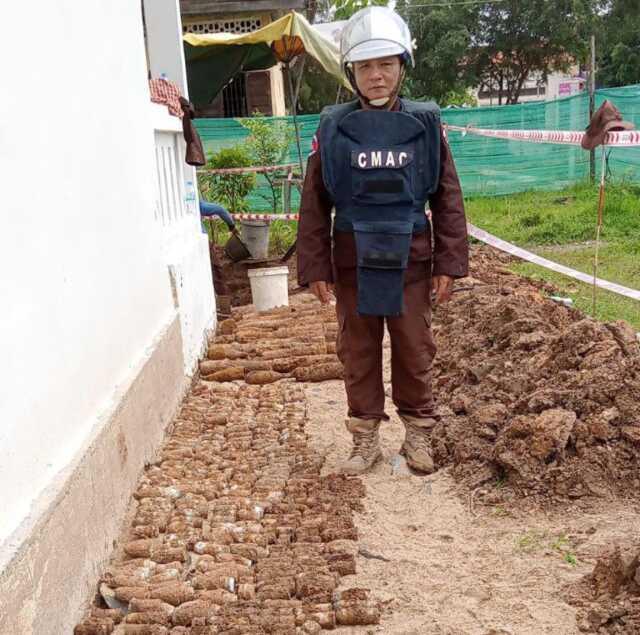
(322, 290)
(442, 286)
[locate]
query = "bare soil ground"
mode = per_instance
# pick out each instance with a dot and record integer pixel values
(457, 569)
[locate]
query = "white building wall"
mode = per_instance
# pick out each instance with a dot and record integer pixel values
(84, 280)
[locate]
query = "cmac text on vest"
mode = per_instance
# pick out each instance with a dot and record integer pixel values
(380, 159)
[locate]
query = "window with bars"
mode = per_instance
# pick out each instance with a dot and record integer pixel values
(239, 25)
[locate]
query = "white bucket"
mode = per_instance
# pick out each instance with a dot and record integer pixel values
(269, 287)
(255, 235)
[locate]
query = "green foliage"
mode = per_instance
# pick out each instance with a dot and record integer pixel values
(443, 35)
(229, 190)
(515, 39)
(318, 89)
(618, 44)
(268, 144)
(460, 98)
(344, 9)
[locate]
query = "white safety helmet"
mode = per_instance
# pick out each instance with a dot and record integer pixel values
(375, 32)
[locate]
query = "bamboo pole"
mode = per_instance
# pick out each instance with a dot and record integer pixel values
(601, 197)
(294, 112)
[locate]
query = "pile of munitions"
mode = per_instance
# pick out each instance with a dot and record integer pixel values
(235, 531)
(298, 342)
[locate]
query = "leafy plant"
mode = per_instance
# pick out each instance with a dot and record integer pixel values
(230, 190)
(268, 144)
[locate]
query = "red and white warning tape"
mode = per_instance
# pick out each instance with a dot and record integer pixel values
(265, 216)
(509, 248)
(502, 245)
(626, 138)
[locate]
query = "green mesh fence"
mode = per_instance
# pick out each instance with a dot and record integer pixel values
(487, 166)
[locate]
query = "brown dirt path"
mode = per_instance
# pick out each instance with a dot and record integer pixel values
(453, 570)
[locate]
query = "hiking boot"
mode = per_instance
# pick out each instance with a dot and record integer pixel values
(417, 443)
(365, 452)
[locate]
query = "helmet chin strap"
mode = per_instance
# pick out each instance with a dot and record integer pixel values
(380, 102)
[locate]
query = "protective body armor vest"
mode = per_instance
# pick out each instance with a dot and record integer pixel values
(380, 168)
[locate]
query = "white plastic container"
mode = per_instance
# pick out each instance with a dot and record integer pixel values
(255, 235)
(269, 287)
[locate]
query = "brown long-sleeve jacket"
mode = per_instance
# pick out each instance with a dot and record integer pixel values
(318, 261)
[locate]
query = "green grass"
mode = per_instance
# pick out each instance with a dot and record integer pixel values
(556, 218)
(560, 226)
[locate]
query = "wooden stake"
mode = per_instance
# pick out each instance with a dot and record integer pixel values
(601, 197)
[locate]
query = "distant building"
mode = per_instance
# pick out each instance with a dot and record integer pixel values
(536, 89)
(247, 91)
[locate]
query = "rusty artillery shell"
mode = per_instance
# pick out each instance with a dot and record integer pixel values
(325, 617)
(185, 613)
(168, 554)
(209, 582)
(141, 548)
(246, 591)
(209, 366)
(357, 614)
(260, 377)
(228, 374)
(315, 584)
(170, 575)
(250, 552)
(226, 327)
(125, 580)
(95, 626)
(321, 372)
(174, 593)
(273, 592)
(113, 614)
(342, 563)
(139, 605)
(308, 534)
(222, 351)
(127, 593)
(148, 617)
(217, 596)
(213, 548)
(144, 531)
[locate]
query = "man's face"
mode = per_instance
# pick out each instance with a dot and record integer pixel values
(377, 79)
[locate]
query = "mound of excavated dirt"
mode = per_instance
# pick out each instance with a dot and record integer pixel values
(609, 597)
(534, 396)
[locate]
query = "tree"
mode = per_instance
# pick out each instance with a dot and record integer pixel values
(443, 36)
(344, 9)
(268, 145)
(497, 45)
(514, 40)
(318, 89)
(618, 43)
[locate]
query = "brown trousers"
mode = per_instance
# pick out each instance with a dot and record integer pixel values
(359, 348)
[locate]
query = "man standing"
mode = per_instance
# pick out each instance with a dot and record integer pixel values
(379, 161)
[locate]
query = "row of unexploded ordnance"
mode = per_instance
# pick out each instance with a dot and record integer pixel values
(235, 531)
(297, 342)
